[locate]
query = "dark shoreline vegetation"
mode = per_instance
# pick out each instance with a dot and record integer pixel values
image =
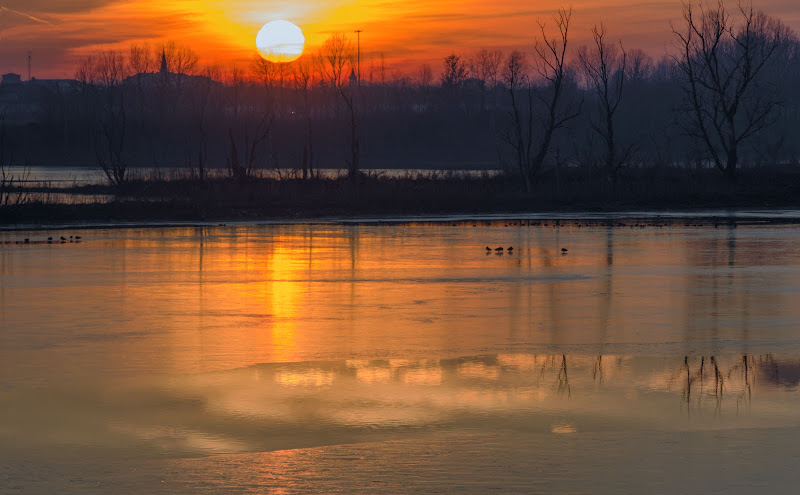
(222, 198)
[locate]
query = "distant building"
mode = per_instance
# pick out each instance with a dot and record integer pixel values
(57, 85)
(164, 78)
(23, 103)
(164, 68)
(11, 78)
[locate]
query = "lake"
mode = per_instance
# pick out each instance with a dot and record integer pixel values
(401, 357)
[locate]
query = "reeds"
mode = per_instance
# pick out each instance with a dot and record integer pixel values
(271, 193)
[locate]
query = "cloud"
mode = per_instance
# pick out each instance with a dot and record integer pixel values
(58, 40)
(55, 6)
(13, 14)
(408, 32)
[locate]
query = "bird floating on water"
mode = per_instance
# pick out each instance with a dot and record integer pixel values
(564, 250)
(498, 249)
(488, 248)
(510, 248)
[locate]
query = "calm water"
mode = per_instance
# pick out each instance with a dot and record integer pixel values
(400, 358)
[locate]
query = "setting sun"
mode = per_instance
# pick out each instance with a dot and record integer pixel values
(280, 41)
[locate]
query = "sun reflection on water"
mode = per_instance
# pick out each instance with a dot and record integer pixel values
(202, 340)
(204, 298)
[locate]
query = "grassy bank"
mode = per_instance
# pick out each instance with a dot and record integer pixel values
(223, 198)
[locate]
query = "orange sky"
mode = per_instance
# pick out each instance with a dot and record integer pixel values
(407, 32)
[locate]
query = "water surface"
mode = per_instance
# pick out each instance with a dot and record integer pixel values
(182, 350)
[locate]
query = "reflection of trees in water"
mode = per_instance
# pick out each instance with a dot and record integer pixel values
(704, 383)
(747, 389)
(597, 372)
(712, 380)
(780, 373)
(563, 379)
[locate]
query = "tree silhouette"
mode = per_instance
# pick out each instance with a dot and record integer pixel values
(549, 63)
(485, 67)
(454, 74)
(304, 78)
(102, 75)
(722, 62)
(605, 68)
(337, 55)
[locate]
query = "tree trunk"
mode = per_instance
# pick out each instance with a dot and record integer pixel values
(305, 162)
(353, 172)
(730, 166)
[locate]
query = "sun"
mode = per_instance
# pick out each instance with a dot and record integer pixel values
(280, 41)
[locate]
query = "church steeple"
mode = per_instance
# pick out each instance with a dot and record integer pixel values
(164, 68)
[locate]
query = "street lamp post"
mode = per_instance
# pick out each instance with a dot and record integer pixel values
(358, 63)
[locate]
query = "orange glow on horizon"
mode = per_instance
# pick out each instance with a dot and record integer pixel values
(406, 34)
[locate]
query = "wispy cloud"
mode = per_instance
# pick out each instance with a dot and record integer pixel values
(40, 7)
(407, 33)
(15, 12)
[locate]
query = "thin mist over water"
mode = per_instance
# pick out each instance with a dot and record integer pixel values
(218, 340)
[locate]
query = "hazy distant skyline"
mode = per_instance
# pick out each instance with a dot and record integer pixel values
(408, 33)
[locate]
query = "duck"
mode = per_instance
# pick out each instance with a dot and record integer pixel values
(564, 250)
(510, 248)
(488, 249)
(498, 249)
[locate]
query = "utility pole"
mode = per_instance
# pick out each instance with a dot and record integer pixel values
(29, 65)
(358, 66)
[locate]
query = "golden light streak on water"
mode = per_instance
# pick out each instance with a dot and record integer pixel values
(225, 341)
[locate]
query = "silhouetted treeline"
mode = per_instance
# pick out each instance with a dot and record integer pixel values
(725, 97)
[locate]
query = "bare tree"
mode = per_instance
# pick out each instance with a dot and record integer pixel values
(490, 61)
(250, 127)
(485, 66)
(424, 75)
(604, 68)
(200, 101)
(454, 73)
(104, 73)
(305, 77)
(141, 59)
(181, 59)
(273, 78)
(639, 66)
(266, 72)
(382, 68)
(550, 65)
(722, 61)
(520, 133)
(337, 57)
(550, 62)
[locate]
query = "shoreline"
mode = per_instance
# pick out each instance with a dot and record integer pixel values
(575, 194)
(632, 218)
